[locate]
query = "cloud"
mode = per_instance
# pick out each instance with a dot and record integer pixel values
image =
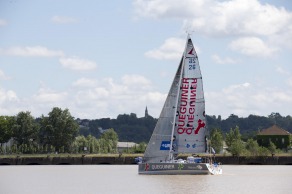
(253, 46)
(36, 51)
(47, 95)
(109, 97)
(242, 17)
(85, 82)
(289, 82)
(76, 63)
(226, 60)
(167, 9)
(9, 102)
(73, 63)
(282, 71)
(39, 103)
(63, 19)
(171, 49)
(284, 38)
(237, 87)
(7, 96)
(136, 81)
(3, 76)
(285, 73)
(247, 98)
(90, 98)
(3, 22)
(224, 18)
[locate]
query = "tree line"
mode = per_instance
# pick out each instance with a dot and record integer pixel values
(130, 128)
(251, 125)
(239, 133)
(60, 132)
(237, 146)
(57, 132)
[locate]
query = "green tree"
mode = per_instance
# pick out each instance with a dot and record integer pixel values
(140, 148)
(6, 123)
(217, 140)
(25, 130)
(263, 151)
(233, 135)
(272, 148)
(237, 147)
(253, 147)
(92, 143)
(59, 129)
(233, 141)
(109, 141)
(79, 143)
(111, 135)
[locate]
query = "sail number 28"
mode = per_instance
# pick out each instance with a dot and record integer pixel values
(192, 63)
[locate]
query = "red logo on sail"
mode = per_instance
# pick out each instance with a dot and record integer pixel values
(191, 52)
(201, 124)
(147, 167)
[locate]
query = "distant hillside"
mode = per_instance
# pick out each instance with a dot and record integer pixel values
(131, 128)
(128, 127)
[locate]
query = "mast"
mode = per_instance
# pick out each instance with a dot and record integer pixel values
(170, 155)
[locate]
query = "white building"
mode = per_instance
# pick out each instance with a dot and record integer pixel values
(125, 146)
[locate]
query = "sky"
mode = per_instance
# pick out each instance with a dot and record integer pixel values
(100, 59)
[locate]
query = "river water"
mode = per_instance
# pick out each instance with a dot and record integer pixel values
(118, 179)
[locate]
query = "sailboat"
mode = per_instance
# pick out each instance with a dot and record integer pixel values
(181, 127)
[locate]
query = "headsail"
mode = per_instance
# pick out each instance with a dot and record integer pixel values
(159, 145)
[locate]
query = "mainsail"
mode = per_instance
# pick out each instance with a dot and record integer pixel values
(181, 127)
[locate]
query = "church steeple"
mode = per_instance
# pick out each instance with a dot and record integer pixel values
(146, 112)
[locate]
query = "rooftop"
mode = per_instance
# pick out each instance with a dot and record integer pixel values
(274, 130)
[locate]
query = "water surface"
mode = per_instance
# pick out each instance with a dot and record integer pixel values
(90, 179)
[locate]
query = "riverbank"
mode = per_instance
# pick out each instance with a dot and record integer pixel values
(115, 159)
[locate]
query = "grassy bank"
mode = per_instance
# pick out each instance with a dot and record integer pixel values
(65, 155)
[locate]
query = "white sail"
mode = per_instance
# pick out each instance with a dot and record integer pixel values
(190, 122)
(159, 145)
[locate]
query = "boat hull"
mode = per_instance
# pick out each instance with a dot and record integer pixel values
(175, 168)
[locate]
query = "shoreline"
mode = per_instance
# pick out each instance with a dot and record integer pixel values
(130, 160)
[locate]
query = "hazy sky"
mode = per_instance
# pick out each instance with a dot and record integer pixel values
(104, 58)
